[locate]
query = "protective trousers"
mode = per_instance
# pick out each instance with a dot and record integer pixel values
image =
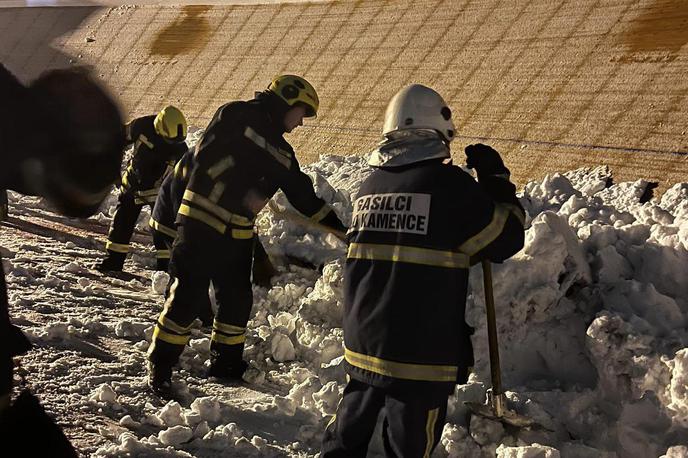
(123, 223)
(412, 427)
(200, 255)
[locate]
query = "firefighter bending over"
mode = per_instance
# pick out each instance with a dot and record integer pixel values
(241, 161)
(158, 144)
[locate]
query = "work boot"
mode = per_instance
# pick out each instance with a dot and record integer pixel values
(160, 379)
(114, 262)
(228, 372)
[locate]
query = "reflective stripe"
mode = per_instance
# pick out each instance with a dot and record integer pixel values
(412, 255)
(180, 170)
(430, 431)
(174, 339)
(405, 371)
(228, 328)
(217, 192)
(145, 141)
(320, 214)
(117, 247)
(204, 217)
(517, 212)
(242, 234)
(171, 325)
(488, 234)
(227, 340)
(162, 228)
(148, 192)
(163, 254)
(219, 167)
(219, 212)
(283, 157)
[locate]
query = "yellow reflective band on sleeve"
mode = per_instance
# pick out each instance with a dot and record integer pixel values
(145, 141)
(117, 247)
(412, 255)
(172, 326)
(279, 154)
(216, 192)
(227, 340)
(204, 217)
(162, 254)
(174, 339)
(219, 167)
(320, 214)
(488, 234)
(421, 372)
(242, 234)
(217, 211)
(148, 192)
(162, 228)
(228, 328)
(430, 431)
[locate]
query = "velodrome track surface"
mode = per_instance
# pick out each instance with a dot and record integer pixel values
(552, 85)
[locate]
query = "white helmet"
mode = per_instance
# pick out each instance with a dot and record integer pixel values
(419, 107)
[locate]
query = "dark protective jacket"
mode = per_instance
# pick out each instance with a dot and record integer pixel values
(170, 195)
(242, 160)
(413, 233)
(153, 156)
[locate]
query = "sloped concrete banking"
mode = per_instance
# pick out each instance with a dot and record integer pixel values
(553, 85)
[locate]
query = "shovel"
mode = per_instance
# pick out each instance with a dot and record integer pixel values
(496, 409)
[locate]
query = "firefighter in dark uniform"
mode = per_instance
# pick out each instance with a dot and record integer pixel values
(417, 224)
(60, 138)
(241, 161)
(164, 229)
(158, 145)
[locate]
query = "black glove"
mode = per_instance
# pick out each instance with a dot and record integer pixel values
(331, 220)
(485, 160)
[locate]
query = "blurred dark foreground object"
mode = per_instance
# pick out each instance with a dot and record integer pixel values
(26, 424)
(63, 139)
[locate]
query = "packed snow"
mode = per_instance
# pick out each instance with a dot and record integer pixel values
(591, 319)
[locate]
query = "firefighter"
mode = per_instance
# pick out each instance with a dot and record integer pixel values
(163, 225)
(417, 224)
(60, 138)
(241, 161)
(158, 145)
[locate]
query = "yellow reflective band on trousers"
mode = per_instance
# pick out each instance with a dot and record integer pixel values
(174, 339)
(492, 230)
(227, 340)
(420, 372)
(320, 214)
(412, 255)
(217, 211)
(117, 247)
(162, 254)
(204, 217)
(171, 325)
(228, 328)
(162, 228)
(242, 234)
(430, 431)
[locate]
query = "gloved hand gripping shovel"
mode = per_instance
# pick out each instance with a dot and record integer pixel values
(496, 408)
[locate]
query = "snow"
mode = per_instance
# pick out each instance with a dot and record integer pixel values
(591, 319)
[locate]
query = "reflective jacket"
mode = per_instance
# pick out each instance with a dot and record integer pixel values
(414, 231)
(153, 156)
(240, 163)
(170, 195)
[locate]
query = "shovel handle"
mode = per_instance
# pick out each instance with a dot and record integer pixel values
(492, 330)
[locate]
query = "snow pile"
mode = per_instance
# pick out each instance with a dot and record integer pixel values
(591, 318)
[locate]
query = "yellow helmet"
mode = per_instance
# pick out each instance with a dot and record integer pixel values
(294, 89)
(170, 124)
